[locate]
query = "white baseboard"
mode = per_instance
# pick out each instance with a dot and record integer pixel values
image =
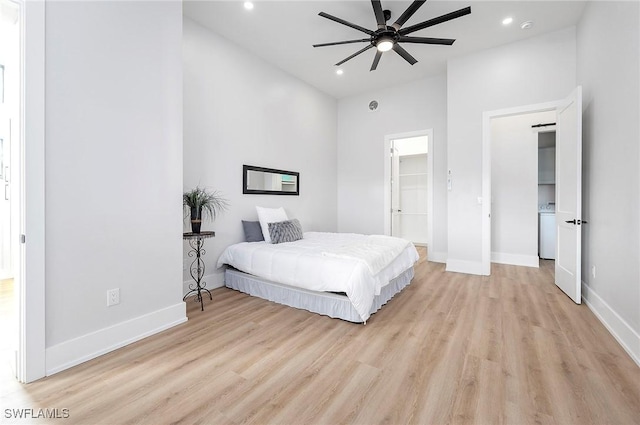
(515, 259)
(81, 349)
(463, 266)
(437, 257)
(616, 325)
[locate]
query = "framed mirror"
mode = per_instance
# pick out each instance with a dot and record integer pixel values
(269, 181)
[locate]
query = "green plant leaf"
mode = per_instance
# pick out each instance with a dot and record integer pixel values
(211, 203)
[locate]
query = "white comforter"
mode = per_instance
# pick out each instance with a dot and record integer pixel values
(358, 265)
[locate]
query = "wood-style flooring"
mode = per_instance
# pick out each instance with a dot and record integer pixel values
(450, 348)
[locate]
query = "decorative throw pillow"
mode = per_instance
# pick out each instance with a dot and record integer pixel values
(285, 231)
(270, 215)
(252, 231)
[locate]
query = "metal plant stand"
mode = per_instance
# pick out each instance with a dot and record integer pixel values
(196, 242)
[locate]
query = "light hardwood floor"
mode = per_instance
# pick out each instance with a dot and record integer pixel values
(451, 348)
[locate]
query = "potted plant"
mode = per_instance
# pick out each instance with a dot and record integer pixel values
(201, 203)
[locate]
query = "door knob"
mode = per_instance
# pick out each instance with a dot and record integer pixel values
(576, 221)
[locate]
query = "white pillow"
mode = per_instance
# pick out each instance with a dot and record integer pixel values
(270, 215)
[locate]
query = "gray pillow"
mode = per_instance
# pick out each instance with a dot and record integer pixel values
(285, 231)
(252, 231)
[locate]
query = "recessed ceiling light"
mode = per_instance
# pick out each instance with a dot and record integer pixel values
(526, 25)
(248, 5)
(507, 21)
(339, 72)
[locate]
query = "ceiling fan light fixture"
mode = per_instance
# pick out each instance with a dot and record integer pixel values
(384, 44)
(393, 37)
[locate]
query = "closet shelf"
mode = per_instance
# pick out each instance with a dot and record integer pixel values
(412, 174)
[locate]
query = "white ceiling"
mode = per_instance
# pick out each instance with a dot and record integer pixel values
(283, 32)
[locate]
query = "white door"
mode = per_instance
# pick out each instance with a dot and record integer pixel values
(395, 191)
(569, 195)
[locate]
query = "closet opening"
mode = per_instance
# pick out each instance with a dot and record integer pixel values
(409, 186)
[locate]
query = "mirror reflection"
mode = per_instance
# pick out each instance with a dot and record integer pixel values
(260, 180)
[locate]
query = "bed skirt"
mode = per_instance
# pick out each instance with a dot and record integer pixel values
(326, 303)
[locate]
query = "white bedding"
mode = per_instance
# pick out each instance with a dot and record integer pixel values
(337, 262)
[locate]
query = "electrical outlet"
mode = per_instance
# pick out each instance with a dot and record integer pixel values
(593, 271)
(113, 297)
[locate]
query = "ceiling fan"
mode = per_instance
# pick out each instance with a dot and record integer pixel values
(387, 37)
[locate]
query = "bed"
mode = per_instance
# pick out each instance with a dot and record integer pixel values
(345, 276)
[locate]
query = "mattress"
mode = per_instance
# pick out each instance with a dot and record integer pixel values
(358, 265)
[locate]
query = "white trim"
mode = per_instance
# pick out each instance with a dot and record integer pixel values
(486, 194)
(78, 350)
(30, 275)
(464, 266)
(628, 338)
(387, 179)
(437, 257)
(487, 116)
(515, 259)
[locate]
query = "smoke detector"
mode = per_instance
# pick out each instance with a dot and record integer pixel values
(526, 25)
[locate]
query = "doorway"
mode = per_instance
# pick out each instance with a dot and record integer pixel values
(10, 128)
(568, 165)
(547, 243)
(409, 186)
(516, 189)
(27, 176)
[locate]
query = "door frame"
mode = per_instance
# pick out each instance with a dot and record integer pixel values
(487, 116)
(29, 273)
(387, 182)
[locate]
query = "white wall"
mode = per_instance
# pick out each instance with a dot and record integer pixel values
(611, 160)
(113, 174)
(240, 110)
(535, 70)
(514, 188)
(405, 108)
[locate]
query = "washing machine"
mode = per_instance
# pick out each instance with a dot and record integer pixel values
(547, 233)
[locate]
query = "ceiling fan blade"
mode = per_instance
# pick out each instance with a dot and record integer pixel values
(399, 50)
(426, 40)
(413, 8)
(377, 10)
(341, 42)
(435, 21)
(355, 54)
(376, 59)
(343, 22)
